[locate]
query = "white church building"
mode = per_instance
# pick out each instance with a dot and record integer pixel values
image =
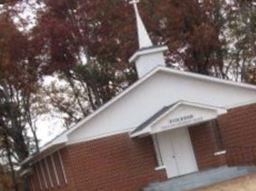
(168, 124)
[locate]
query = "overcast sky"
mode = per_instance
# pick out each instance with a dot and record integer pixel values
(48, 126)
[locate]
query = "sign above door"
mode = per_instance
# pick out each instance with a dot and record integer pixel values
(180, 114)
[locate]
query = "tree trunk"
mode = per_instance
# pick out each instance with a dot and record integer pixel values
(33, 130)
(19, 145)
(89, 92)
(76, 94)
(35, 139)
(9, 157)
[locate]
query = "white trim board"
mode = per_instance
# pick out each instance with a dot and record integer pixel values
(198, 112)
(63, 137)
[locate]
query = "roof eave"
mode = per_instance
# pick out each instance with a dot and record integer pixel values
(42, 154)
(145, 51)
(139, 82)
(147, 130)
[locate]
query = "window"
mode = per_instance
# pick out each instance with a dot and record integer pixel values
(32, 183)
(49, 172)
(158, 152)
(49, 176)
(220, 148)
(55, 175)
(60, 170)
(38, 177)
(41, 166)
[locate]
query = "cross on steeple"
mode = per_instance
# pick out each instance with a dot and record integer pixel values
(134, 1)
(144, 39)
(148, 56)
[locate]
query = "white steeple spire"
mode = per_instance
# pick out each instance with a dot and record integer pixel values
(144, 39)
(148, 56)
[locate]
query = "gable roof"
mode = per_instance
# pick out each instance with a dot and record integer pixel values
(152, 119)
(63, 137)
(165, 110)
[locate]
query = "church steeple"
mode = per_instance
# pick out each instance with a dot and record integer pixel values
(144, 39)
(148, 56)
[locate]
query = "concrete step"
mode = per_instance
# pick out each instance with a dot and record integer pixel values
(249, 169)
(200, 179)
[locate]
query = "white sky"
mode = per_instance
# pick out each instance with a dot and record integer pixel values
(50, 124)
(48, 128)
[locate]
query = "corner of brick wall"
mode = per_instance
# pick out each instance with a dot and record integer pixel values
(238, 126)
(238, 129)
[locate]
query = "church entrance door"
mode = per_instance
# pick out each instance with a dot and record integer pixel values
(177, 152)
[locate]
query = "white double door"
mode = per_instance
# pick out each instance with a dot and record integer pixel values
(177, 152)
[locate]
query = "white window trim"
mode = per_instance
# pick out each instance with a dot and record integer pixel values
(220, 153)
(43, 173)
(55, 170)
(158, 153)
(38, 177)
(160, 168)
(48, 172)
(62, 167)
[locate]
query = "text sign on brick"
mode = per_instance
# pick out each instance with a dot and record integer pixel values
(183, 121)
(183, 116)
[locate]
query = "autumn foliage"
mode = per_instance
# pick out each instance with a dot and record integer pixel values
(84, 45)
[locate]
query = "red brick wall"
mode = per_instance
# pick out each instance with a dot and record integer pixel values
(238, 126)
(34, 179)
(204, 144)
(238, 129)
(111, 163)
(114, 163)
(120, 163)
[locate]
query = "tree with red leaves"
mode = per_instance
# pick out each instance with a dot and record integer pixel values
(89, 42)
(18, 87)
(78, 41)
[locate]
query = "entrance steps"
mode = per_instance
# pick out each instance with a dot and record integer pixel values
(200, 179)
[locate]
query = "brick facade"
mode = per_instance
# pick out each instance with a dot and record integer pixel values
(205, 145)
(37, 180)
(121, 163)
(114, 163)
(111, 163)
(238, 126)
(238, 131)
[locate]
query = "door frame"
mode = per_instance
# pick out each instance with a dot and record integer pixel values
(159, 153)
